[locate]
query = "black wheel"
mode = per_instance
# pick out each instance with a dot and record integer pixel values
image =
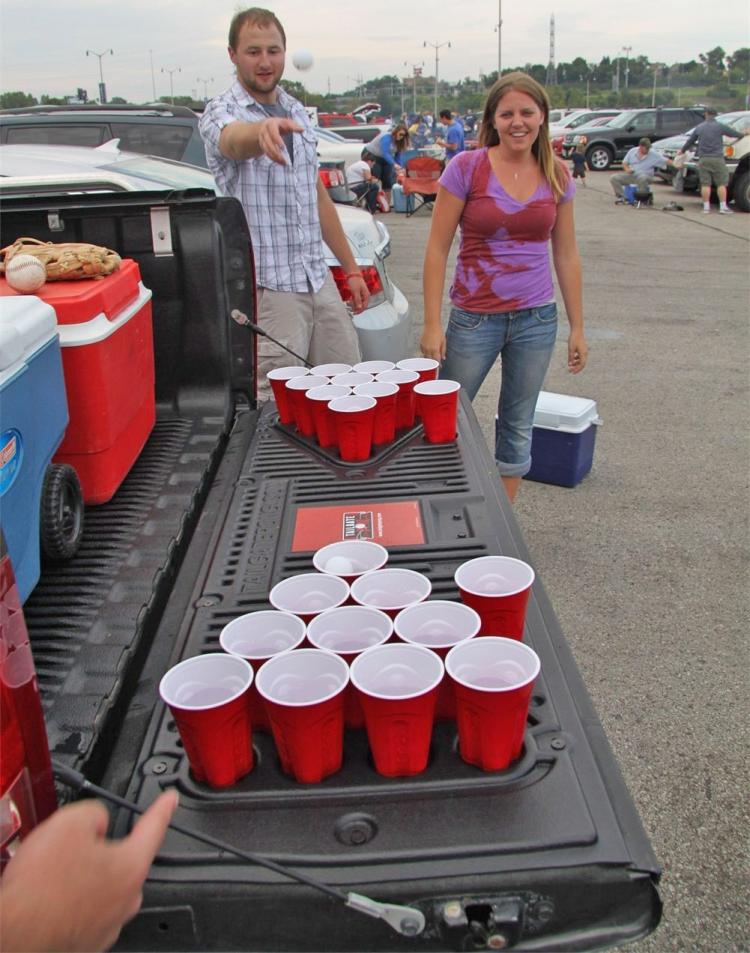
(599, 158)
(741, 191)
(61, 513)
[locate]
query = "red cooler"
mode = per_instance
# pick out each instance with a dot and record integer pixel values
(108, 361)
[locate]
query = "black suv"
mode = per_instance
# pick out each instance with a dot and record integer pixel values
(158, 129)
(611, 143)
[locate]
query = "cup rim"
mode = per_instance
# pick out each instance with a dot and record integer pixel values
(352, 383)
(502, 595)
(439, 387)
(392, 569)
(515, 644)
(390, 648)
(316, 393)
(376, 384)
(424, 606)
(340, 610)
(410, 379)
(275, 613)
(320, 372)
(308, 380)
(194, 660)
(418, 364)
(351, 410)
(359, 368)
(272, 662)
(317, 557)
(277, 373)
(274, 592)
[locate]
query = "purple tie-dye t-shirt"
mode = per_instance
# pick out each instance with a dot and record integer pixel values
(503, 260)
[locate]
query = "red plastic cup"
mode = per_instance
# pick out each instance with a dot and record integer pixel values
(309, 593)
(438, 625)
(277, 378)
(406, 405)
(426, 367)
(391, 589)
(437, 405)
(208, 697)
(397, 685)
(323, 420)
(498, 588)
(347, 632)
(350, 558)
(257, 637)
(374, 367)
(304, 696)
(351, 379)
(386, 396)
(355, 419)
(331, 370)
(493, 679)
(300, 406)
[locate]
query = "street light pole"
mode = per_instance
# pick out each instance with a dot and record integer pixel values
(416, 71)
(153, 78)
(205, 86)
(102, 87)
(499, 29)
(175, 69)
(657, 68)
(437, 47)
(627, 50)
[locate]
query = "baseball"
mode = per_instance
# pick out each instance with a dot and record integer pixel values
(303, 59)
(25, 273)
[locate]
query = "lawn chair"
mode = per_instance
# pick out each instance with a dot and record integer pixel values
(421, 181)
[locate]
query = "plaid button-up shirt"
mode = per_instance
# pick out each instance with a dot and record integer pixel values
(280, 202)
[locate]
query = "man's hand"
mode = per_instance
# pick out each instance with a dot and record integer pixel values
(68, 888)
(270, 137)
(360, 293)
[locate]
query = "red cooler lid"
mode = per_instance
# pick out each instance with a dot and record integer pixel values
(79, 301)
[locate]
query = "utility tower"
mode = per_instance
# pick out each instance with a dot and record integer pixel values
(551, 68)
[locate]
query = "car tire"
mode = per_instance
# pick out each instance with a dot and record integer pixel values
(599, 158)
(741, 191)
(61, 513)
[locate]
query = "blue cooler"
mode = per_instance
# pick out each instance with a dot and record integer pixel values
(401, 202)
(562, 444)
(33, 418)
(628, 192)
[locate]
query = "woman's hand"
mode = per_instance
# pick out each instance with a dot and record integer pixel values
(433, 344)
(578, 352)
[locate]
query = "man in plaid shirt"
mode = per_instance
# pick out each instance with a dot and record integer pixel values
(261, 149)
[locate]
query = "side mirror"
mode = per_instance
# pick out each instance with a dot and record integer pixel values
(630, 129)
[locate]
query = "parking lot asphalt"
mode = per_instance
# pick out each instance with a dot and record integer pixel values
(646, 561)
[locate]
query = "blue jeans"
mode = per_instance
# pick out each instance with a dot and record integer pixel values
(525, 340)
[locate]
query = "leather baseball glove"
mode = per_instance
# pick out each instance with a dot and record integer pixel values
(65, 260)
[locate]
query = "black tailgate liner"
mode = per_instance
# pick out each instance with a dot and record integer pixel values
(558, 826)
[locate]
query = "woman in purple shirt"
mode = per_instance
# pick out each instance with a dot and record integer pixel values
(511, 198)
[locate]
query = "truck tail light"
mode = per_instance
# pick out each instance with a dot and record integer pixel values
(372, 280)
(331, 178)
(728, 151)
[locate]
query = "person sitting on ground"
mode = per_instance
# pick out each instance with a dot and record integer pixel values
(638, 167)
(579, 163)
(361, 181)
(386, 149)
(712, 169)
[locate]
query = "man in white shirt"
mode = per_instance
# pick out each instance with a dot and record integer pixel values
(261, 148)
(361, 181)
(638, 168)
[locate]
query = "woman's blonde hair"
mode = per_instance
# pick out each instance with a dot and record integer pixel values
(552, 170)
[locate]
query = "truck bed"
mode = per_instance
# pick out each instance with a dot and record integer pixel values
(548, 855)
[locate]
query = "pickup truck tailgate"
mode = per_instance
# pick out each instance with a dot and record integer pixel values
(548, 855)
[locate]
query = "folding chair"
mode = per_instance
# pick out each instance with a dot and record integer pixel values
(421, 181)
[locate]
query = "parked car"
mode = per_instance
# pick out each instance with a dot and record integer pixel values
(157, 129)
(334, 148)
(611, 143)
(577, 118)
(559, 141)
(384, 329)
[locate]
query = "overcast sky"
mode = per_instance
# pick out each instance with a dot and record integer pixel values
(44, 43)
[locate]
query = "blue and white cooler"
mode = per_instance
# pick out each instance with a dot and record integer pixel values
(33, 418)
(562, 445)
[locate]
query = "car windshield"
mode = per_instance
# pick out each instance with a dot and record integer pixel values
(624, 119)
(741, 123)
(176, 175)
(329, 135)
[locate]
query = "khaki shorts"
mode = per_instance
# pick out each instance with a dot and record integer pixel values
(712, 170)
(315, 325)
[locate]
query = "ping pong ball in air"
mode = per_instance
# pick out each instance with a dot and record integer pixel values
(303, 59)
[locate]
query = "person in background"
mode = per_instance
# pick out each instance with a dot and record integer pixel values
(453, 142)
(638, 169)
(712, 169)
(68, 888)
(361, 181)
(386, 149)
(578, 158)
(261, 149)
(511, 198)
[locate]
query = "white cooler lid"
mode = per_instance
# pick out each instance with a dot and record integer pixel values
(561, 412)
(26, 324)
